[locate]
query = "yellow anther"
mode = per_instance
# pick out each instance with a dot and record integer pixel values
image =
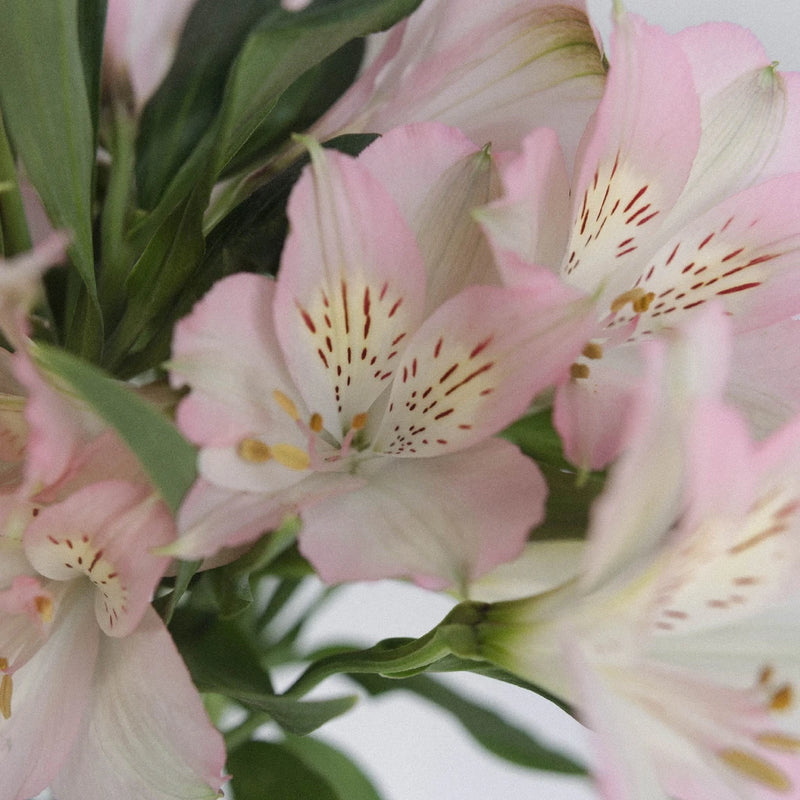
(579, 371)
(44, 607)
(765, 676)
(6, 690)
(638, 298)
(287, 455)
(286, 404)
(782, 698)
(254, 451)
(3, 663)
(593, 350)
(779, 741)
(756, 769)
(315, 423)
(359, 421)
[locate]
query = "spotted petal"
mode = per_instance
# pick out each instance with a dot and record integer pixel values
(351, 289)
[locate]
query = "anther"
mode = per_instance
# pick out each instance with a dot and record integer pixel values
(593, 350)
(779, 741)
(359, 421)
(287, 455)
(579, 370)
(315, 423)
(6, 690)
(781, 699)
(286, 404)
(44, 607)
(756, 769)
(254, 451)
(638, 298)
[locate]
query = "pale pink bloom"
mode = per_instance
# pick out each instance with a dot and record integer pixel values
(495, 70)
(685, 189)
(361, 388)
(676, 642)
(141, 39)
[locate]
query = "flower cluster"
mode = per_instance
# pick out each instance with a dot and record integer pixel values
(493, 312)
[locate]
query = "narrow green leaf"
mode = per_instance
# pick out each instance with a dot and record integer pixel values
(295, 716)
(43, 96)
(269, 771)
(91, 25)
(346, 779)
(165, 455)
(487, 727)
(13, 224)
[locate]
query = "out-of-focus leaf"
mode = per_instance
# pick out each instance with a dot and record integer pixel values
(269, 771)
(166, 456)
(571, 493)
(180, 113)
(295, 716)
(346, 779)
(47, 114)
(487, 727)
(91, 24)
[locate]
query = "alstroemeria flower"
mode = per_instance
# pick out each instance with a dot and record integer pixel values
(141, 39)
(676, 642)
(685, 190)
(340, 392)
(494, 71)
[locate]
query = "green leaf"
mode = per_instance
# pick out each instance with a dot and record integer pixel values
(188, 100)
(295, 716)
(47, 114)
(281, 49)
(269, 771)
(487, 727)
(346, 779)
(91, 25)
(165, 455)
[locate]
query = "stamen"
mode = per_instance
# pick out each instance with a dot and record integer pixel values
(359, 421)
(779, 741)
(782, 698)
(579, 371)
(593, 350)
(637, 297)
(756, 769)
(287, 455)
(286, 404)
(765, 676)
(254, 451)
(44, 607)
(315, 423)
(3, 663)
(6, 690)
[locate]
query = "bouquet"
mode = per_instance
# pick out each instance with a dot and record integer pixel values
(355, 290)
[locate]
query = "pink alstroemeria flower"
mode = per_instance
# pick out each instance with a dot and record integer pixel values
(94, 698)
(493, 70)
(686, 188)
(676, 642)
(363, 386)
(140, 41)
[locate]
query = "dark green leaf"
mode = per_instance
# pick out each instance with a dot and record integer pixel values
(346, 779)
(188, 100)
(487, 727)
(47, 114)
(166, 456)
(268, 771)
(91, 24)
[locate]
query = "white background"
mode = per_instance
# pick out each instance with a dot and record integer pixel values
(415, 753)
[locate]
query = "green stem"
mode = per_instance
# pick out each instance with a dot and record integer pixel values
(13, 224)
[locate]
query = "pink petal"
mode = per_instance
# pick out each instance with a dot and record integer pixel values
(145, 732)
(477, 362)
(104, 533)
(226, 350)
(437, 177)
(441, 521)
(350, 291)
(49, 697)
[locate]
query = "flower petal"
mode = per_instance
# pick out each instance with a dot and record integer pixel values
(145, 733)
(441, 521)
(477, 362)
(350, 291)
